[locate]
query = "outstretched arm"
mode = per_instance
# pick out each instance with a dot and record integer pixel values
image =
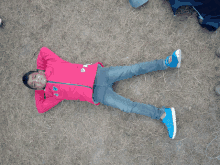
(45, 55)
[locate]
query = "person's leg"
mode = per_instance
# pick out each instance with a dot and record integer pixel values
(112, 99)
(104, 93)
(118, 73)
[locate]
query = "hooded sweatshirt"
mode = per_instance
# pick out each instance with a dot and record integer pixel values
(65, 80)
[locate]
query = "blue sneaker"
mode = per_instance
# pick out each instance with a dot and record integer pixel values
(175, 59)
(170, 121)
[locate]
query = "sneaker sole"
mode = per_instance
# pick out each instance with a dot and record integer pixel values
(174, 121)
(178, 54)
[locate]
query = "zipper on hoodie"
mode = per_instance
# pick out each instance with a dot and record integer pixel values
(86, 65)
(69, 84)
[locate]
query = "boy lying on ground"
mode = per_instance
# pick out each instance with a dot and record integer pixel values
(61, 80)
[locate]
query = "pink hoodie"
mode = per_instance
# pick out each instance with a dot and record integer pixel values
(66, 81)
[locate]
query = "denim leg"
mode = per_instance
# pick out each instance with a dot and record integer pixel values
(104, 93)
(112, 99)
(118, 73)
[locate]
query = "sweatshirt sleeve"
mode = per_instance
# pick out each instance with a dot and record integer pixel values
(42, 104)
(44, 56)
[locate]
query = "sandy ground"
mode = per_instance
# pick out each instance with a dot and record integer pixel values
(114, 33)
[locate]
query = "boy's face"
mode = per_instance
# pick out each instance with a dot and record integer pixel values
(37, 80)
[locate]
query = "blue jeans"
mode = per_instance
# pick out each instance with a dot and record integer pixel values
(106, 76)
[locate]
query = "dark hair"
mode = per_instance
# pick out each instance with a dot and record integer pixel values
(26, 78)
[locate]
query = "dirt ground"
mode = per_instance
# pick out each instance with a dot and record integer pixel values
(114, 33)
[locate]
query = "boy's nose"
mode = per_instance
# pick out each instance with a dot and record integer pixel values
(37, 80)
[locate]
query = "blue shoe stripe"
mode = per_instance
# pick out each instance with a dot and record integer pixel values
(200, 17)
